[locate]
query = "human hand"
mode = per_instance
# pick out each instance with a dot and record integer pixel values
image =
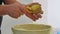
(33, 15)
(14, 10)
(9, 1)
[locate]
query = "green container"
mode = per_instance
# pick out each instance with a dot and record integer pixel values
(31, 29)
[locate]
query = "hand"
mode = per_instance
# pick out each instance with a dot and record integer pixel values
(14, 10)
(9, 1)
(34, 17)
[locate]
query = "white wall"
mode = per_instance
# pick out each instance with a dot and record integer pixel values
(54, 13)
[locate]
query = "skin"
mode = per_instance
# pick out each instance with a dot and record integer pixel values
(9, 1)
(16, 9)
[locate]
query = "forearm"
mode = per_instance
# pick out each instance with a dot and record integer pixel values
(9, 1)
(2, 10)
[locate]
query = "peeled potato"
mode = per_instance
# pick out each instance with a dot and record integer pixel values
(33, 8)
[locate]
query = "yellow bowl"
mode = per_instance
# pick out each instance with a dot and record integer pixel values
(31, 29)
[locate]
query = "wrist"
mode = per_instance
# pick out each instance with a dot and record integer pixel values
(2, 10)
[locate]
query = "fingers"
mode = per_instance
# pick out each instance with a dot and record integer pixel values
(40, 11)
(20, 12)
(31, 17)
(22, 8)
(35, 16)
(39, 15)
(15, 13)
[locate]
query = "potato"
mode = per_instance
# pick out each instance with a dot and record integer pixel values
(34, 8)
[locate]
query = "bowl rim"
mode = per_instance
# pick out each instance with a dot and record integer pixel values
(50, 27)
